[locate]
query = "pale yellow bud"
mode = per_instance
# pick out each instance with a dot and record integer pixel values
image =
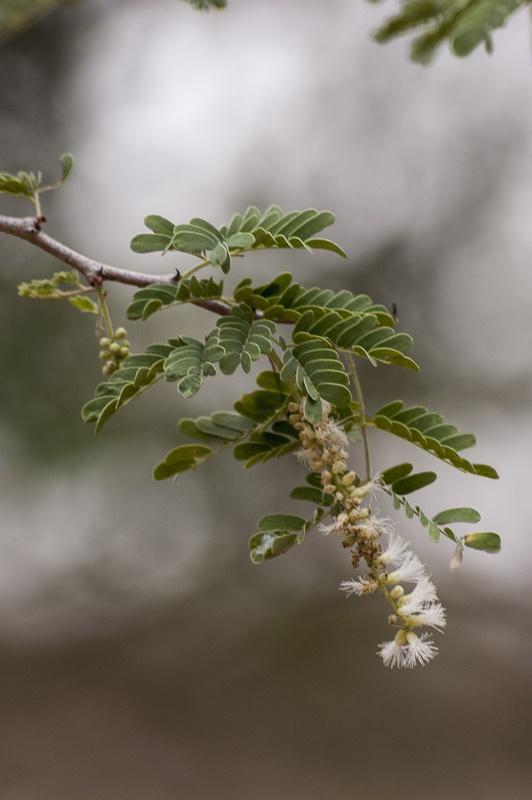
(397, 592)
(349, 478)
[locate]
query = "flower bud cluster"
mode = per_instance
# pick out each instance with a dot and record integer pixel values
(114, 349)
(394, 566)
(324, 448)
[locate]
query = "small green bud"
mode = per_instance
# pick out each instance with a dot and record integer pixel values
(124, 352)
(104, 354)
(105, 341)
(114, 347)
(120, 333)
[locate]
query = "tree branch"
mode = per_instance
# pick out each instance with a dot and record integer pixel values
(29, 229)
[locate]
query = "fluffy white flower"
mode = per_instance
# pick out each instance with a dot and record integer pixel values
(358, 586)
(393, 653)
(332, 527)
(433, 616)
(334, 435)
(419, 650)
(423, 593)
(410, 571)
(397, 548)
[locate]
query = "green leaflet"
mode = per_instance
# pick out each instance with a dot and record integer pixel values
(83, 304)
(489, 542)
(411, 511)
(360, 334)
(254, 430)
(267, 400)
(243, 338)
(29, 184)
(261, 446)
(249, 231)
(318, 373)
(191, 361)
(157, 296)
(285, 301)
(464, 25)
(66, 161)
(277, 533)
(276, 229)
(217, 429)
(394, 482)
(457, 515)
(412, 483)
(181, 459)
(198, 237)
(428, 430)
(475, 23)
(24, 184)
(313, 492)
(136, 374)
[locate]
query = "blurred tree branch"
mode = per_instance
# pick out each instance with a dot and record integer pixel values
(16, 15)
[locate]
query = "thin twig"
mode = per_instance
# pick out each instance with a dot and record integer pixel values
(360, 398)
(29, 229)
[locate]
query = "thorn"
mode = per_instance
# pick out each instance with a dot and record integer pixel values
(394, 313)
(37, 222)
(98, 277)
(177, 277)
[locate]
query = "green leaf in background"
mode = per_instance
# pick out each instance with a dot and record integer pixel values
(464, 25)
(15, 15)
(67, 163)
(207, 5)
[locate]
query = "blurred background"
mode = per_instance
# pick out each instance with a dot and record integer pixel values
(141, 654)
